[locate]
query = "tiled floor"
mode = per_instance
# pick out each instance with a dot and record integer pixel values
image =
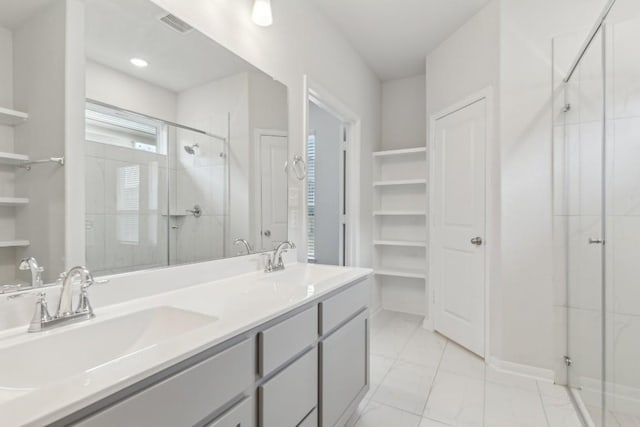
(420, 379)
(613, 419)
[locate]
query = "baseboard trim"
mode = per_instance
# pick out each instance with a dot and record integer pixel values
(427, 324)
(539, 374)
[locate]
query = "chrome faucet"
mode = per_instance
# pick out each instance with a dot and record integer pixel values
(43, 320)
(247, 246)
(31, 264)
(274, 262)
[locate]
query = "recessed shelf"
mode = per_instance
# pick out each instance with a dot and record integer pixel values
(401, 152)
(399, 213)
(400, 182)
(14, 243)
(11, 117)
(13, 159)
(400, 243)
(13, 201)
(401, 273)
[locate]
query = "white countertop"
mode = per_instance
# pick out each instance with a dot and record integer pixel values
(239, 304)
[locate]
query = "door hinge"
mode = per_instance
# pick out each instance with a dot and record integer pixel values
(568, 361)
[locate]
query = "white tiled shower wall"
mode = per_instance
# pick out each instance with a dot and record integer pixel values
(578, 148)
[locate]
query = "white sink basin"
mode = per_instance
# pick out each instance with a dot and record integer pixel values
(58, 354)
(301, 275)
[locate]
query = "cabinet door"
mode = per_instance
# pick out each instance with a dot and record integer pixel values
(344, 367)
(287, 398)
(187, 397)
(240, 415)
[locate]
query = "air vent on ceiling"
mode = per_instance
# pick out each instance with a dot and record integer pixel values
(176, 23)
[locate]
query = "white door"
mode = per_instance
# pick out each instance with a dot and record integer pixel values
(458, 225)
(273, 192)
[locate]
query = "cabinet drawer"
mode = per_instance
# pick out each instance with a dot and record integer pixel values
(288, 397)
(187, 397)
(283, 341)
(340, 307)
(240, 415)
(344, 369)
(311, 420)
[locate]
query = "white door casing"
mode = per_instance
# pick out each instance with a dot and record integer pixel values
(458, 216)
(272, 208)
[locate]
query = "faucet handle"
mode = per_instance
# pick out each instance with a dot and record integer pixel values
(41, 315)
(268, 262)
(91, 281)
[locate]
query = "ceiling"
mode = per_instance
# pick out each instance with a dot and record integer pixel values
(118, 30)
(395, 36)
(15, 12)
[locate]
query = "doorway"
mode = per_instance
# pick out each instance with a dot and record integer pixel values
(458, 225)
(270, 220)
(326, 190)
(332, 153)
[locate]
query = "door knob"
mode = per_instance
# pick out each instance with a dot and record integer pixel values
(267, 233)
(476, 241)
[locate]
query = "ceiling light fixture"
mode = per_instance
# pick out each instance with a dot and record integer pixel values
(261, 14)
(139, 62)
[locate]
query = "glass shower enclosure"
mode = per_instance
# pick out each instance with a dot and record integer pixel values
(596, 154)
(156, 192)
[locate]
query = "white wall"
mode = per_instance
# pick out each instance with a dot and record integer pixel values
(466, 63)
(122, 90)
(508, 45)
(527, 29)
(327, 131)
(404, 123)
(39, 75)
(300, 42)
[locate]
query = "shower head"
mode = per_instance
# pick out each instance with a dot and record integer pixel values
(191, 149)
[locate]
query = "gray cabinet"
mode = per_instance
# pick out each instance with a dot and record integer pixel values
(240, 415)
(343, 370)
(287, 398)
(304, 370)
(285, 340)
(188, 397)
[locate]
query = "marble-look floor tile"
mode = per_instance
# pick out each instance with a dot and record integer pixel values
(406, 387)
(391, 340)
(424, 348)
(595, 412)
(513, 406)
(461, 361)
(378, 415)
(380, 320)
(426, 422)
(626, 420)
(456, 400)
(378, 368)
(558, 406)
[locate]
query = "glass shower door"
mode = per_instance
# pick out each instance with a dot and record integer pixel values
(579, 171)
(198, 196)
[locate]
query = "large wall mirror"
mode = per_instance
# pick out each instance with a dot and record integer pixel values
(185, 144)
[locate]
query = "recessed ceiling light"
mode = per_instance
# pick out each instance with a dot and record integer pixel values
(261, 14)
(139, 62)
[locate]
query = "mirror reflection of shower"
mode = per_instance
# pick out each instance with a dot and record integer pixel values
(191, 149)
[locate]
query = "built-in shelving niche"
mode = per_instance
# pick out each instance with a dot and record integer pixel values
(400, 227)
(12, 118)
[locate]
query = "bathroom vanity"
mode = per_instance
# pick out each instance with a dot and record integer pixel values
(279, 349)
